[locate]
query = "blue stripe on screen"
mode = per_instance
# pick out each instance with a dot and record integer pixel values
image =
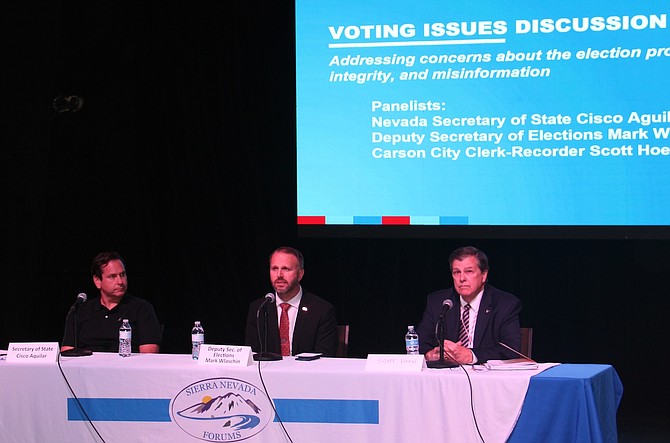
(367, 220)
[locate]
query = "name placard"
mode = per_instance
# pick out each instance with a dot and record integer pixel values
(225, 355)
(43, 352)
(395, 362)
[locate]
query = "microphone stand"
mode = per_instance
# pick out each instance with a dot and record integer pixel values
(441, 363)
(264, 356)
(75, 352)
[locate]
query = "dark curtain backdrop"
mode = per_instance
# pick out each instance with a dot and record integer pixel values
(182, 159)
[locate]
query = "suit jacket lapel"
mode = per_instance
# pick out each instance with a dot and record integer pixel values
(453, 318)
(483, 316)
(300, 319)
(273, 328)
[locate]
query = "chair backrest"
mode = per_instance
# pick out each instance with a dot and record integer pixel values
(527, 342)
(342, 340)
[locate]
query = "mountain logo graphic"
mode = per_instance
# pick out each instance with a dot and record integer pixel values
(221, 409)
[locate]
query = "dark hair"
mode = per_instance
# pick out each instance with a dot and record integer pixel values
(470, 251)
(101, 260)
(292, 251)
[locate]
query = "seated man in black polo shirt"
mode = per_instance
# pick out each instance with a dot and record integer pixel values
(99, 318)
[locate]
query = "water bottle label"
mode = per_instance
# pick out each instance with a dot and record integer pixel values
(412, 342)
(198, 337)
(125, 334)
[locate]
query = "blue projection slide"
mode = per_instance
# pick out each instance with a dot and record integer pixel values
(507, 113)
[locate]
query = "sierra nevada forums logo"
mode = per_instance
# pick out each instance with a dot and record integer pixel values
(221, 410)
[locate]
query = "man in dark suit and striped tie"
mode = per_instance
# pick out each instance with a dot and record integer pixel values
(481, 318)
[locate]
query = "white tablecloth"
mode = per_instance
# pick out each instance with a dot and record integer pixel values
(432, 405)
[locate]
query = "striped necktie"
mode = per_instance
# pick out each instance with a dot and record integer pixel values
(465, 326)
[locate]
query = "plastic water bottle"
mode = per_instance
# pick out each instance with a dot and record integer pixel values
(412, 341)
(197, 339)
(125, 338)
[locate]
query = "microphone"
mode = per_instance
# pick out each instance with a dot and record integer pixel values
(81, 298)
(264, 355)
(269, 298)
(75, 352)
(439, 332)
(446, 305)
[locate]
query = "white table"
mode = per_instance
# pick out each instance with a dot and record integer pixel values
(159, 398)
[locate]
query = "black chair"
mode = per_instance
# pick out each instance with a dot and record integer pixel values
(527, 342)
(342, 341)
